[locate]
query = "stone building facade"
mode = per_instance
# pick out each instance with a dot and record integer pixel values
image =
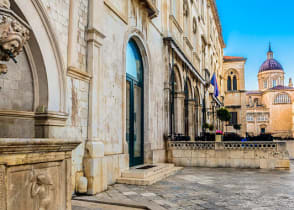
(235, 94)
(269, 110)
(120, 76)
(266, 110)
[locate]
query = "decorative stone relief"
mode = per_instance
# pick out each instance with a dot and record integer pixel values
(42, 186)
(14, 33)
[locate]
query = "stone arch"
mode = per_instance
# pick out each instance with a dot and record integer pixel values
(178, 79)
(234, 71)
(232, 79)
(45, 52)
(41, 76)
(197, 96)
(190, 89)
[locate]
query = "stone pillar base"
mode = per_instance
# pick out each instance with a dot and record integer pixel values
(96, 173)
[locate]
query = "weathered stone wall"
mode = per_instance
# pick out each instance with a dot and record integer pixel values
(17, 94)
(229, 155)
(290, 148)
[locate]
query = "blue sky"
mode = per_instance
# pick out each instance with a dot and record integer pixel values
(249, 25)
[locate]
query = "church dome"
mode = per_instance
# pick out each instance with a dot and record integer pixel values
(270, 63)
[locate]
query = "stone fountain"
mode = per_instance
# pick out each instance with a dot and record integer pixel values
(35, 174)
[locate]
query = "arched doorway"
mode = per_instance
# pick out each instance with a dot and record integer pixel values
(134, 103)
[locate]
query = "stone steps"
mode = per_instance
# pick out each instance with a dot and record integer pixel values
(149, 176)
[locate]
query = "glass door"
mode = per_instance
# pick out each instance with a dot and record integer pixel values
(134, 120)
(134, 104)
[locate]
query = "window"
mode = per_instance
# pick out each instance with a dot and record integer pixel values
(229, 84)
(234, 119)
(262, 117)
(265, 84)
(274, 83)
(282, 98)
(134, 63)
(234, 83)
(250, 118)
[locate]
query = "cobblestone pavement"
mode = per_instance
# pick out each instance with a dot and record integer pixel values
(206, 188)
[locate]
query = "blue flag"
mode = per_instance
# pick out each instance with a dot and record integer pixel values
(214, 83)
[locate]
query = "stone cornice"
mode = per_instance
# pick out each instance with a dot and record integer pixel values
(78, 74)
(25, 146)
(217, 22)
(151, 8)
(50, 119)
(17, 114)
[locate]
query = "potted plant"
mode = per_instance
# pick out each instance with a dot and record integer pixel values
(206, 126)
(218, 136)
(223, 115)
(211, 127)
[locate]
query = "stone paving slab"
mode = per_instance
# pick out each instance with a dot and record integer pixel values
(218, 189)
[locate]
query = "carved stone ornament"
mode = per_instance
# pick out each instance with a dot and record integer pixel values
(186, 8)
(14, 33)
(41, 191)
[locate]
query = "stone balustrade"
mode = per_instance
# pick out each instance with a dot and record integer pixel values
(229, 154)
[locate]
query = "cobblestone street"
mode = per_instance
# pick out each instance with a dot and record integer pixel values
(206, 188)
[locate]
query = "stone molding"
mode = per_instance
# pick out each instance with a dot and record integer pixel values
(94, 35)
(29, 146)
(50, 119)
(17, 114)
(78, 74)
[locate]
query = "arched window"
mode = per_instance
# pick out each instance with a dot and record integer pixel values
(134, 64)
(282, 98)
(234, 83)
(229, 84)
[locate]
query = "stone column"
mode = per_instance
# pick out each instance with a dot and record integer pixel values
(94, 161)
(179, 112)
(191, 121)
(72, 52)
